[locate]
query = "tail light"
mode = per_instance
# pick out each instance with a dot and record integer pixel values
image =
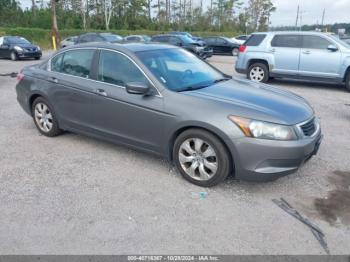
(20, 76)
(242, 48)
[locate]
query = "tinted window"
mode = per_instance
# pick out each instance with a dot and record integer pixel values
(315, 42)
(132, 38)
(210, 41)
(115, 68)
(255, 40)
(77, 63)
(56, 63)
(17, 40)
(174, 40)
(221, 41)
(160, 39)
(242, 37)
(292, 41)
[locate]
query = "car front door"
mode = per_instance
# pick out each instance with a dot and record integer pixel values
(316, 60)
(71, 87)
(223, 46)
(285, 50)
(132, 119)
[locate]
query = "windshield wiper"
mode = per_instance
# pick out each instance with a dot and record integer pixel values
(191, 88)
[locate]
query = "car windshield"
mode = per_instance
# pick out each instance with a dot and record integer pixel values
(17, 40)
(112, 38)
(186, 39)
(146, 38)
(180, 70)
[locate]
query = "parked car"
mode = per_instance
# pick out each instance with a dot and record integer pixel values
(16, 47)
(68, 41)
(222, 45)
(302, 55)
(186, 43)
(164, 100)
(137, 38)
(98, 37)
(240, 39)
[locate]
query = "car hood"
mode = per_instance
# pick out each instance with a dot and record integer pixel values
(258, 101)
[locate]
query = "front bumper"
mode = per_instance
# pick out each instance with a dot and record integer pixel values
(266, 160)
(206, 53)
(27, 54)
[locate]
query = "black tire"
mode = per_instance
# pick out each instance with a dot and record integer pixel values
(222, 157)
(235, 51)
(261, 68)
(55, 130)
(13, 56)
(347, 81)
(37, 58)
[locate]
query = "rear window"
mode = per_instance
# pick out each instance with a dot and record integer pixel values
(292, 41)
(255, 40)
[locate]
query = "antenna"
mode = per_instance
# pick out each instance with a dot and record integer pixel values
(296, 20)
(323, 15)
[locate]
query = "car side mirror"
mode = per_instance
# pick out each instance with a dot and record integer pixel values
(137, 88)
(332, 48)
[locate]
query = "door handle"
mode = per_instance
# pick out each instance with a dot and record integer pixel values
(307, 52)
(101, 92)
(53, 80)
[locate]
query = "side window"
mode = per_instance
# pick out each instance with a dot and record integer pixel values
(315, 42)
(56, 63)
(1, 41)
(221, 41)
(210, 41)
(175, 40)
(77, 62)
(115, 68)
(292, 41)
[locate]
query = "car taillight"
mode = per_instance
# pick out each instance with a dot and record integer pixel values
(20, 76)
(242, 48)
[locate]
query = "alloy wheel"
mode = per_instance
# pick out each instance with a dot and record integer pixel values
(198, 159)
(257, 74)
(43, 117)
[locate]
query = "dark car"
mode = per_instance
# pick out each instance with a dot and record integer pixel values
(16, 47)
(186, 43)
(164, 100)
(98, 37)
(222, 45)
(137, 38)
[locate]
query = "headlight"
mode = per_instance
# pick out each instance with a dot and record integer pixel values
(17, 48)
(38, 47)
(264, 130)
(198, 48)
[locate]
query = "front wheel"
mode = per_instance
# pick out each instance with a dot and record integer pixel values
(37, 58)
(258, 72)
(201, 158)
(347, 82)
(235, 51)
(13, 56)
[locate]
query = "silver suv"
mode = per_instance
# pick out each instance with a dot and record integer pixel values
(304, 55)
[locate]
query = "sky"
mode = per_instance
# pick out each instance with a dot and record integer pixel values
(337, 11)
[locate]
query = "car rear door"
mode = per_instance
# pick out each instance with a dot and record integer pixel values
(285, 50)
(71, 87)
(223, 46)
(136, 120)
(4, 47)
(316, 60)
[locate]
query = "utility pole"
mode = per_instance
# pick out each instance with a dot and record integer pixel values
(296, 20)
(54, 31)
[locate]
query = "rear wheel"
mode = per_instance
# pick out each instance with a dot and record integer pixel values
(201, 158)
(13, 56)
(347, 81)
(258, 72)
(44, 118)
(235, 51)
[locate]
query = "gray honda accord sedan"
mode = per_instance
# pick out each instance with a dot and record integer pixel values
(164, 100)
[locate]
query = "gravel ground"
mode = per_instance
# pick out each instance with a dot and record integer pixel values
(77, 195)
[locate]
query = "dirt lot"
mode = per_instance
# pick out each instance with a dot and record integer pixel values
(77, 195)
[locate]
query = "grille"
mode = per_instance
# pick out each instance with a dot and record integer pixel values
(31, 49)
(309, 128)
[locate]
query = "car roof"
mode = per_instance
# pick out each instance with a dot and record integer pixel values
(291, 32)
(131, 47)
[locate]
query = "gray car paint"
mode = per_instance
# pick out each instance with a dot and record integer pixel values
(151, 123)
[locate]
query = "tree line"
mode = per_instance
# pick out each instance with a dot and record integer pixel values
(156, 15)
